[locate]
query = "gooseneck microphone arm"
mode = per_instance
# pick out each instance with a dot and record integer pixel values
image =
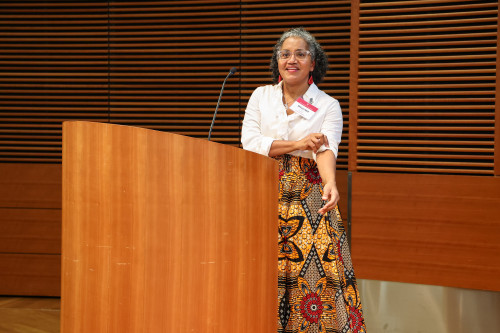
(231, 72)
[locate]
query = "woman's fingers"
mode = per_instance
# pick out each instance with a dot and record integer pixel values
(311, 143)
(314, 141)
(331, 195)
(318, 140)
(328, 206)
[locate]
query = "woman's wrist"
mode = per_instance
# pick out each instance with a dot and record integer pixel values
(280, 147)
(296, 145)
(330, 182)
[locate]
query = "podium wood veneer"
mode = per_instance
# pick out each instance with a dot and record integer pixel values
(166, 233)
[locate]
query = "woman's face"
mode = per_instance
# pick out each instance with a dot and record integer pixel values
(295, 71)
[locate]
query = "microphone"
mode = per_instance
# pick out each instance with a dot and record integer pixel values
(231, 72)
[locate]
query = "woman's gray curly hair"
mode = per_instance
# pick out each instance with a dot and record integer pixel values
(317, 54)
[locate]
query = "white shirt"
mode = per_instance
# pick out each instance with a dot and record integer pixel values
(266, 120)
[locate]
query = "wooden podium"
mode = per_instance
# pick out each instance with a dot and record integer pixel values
(166, 233)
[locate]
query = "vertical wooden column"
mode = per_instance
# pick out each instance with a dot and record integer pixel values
(353, 87)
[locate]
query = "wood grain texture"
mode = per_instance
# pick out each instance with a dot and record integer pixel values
(25, 185)
(157, 65)
(164, 233)
(29, 314)
(427, 84)
(55, 65)
(30, 274)
(427, 229)
(30, 230)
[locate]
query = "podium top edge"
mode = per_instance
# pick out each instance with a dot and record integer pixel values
(81, 124)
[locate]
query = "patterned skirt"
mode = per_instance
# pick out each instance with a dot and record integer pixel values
(316, 285)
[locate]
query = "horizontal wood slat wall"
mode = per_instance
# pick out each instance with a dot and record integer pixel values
(168, 60)
(426, 87)
(156, 64)
(53, 67)
(497, 102)
(423, 96)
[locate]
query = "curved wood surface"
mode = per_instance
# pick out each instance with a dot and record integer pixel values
(165, 233)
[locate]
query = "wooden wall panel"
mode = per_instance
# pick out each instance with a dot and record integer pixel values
(53, 67)
(153, 64)
(30, 230)
(429, 229)
(424, 101)
(426, 73)
(30, 274)
(30, 185)
(168, 60)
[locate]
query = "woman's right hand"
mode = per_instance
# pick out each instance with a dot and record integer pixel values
(313, 142)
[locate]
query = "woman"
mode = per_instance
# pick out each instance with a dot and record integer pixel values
(301, 126)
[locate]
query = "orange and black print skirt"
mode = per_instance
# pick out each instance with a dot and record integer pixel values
(317, 288)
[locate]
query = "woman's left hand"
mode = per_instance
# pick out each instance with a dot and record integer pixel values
(331, 195)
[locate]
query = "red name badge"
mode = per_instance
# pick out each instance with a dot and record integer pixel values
(303, 108)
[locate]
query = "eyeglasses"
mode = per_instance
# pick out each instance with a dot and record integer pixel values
(299, 54)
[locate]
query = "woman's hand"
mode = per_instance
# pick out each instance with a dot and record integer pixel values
(313, 142)
(331, 195)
